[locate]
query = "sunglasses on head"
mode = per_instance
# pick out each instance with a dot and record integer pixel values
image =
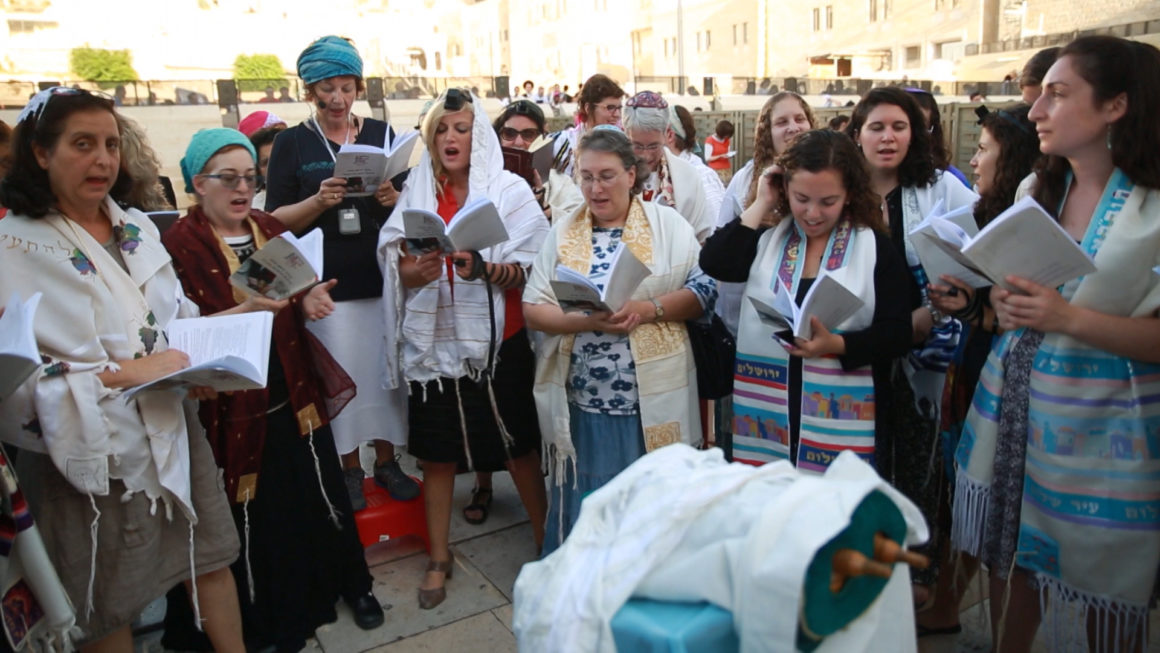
(36, 105)
(455, 99)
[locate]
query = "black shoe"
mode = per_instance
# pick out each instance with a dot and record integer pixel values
(368, 614)
(353, 478)
(395, 481)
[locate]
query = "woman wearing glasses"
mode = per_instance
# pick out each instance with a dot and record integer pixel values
(668, 180)
(302, 193)
(462, 347)
(601, 102)
(125, 493)
(281, 471)
(612, 386)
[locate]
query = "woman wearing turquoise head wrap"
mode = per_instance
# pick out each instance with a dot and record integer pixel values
(302, 193)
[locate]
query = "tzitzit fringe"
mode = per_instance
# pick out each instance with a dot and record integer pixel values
(318, 473)
(969, 515)
(193, 582)
(1119, 625)
(249, 569)
(462, 424)
(93, 558)
(508, 440)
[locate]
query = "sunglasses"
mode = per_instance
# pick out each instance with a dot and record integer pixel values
(455, 99)
(509, 134)
(231, 179)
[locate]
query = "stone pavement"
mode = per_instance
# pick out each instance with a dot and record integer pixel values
(476, 617)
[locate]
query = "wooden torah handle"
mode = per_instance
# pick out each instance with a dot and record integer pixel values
(849, 563)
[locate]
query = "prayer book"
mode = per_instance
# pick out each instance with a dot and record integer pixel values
(19, 355)
(226, 353)
(827, 299)
(163, 219)
(525, 163)
(366, 167)
(285, 266)
(576, 292)
(1023, 241)
(476, 226)
(956, 226)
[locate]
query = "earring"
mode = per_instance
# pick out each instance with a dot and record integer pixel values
(1109, 138)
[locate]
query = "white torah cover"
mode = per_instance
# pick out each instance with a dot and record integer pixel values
(684, 525)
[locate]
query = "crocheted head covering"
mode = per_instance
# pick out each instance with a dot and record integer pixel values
(258, 120)
(611, 128)
(205, 144)
(329, 56)
(647, 100)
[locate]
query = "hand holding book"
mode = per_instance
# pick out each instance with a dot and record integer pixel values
(1031, 305)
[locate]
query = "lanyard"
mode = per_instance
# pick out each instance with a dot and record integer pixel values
(326, 141)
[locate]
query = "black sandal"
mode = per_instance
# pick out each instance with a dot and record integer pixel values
(480, 503)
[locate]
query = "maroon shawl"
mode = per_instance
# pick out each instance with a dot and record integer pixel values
(235, 423)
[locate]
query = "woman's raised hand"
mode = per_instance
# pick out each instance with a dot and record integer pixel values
(952, 297)
(420, 271)
(317, 303)
(331, 192)
(255, 303)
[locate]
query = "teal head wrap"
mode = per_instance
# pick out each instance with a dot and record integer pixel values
(329, 56)
(205, 144)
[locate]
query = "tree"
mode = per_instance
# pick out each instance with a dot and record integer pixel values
(106, 67)
(254, 72)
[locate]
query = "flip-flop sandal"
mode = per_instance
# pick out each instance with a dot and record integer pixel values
(480, 504)
(923, 631)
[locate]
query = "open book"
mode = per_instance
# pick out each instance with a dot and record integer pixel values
(1023, 241)
(476, 226)
(827, 299)
(956, 226)
(366, 167)
(226, 352)
(284, 267)
(19, 355)
(537, 158)
(575, 292)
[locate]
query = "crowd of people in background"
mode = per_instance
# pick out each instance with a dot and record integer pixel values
(1022, 420)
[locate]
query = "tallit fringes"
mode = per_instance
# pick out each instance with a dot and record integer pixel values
(463, 425)
(321, 487)
(246, 530)
(508, 441)
(969, 514)
(93, 529)
(193, 583)
(1068, 611)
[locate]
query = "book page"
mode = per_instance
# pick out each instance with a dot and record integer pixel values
(1027, 242)
(769, 315)
(310, 246)
(937, 241)
(279, 270)
(476, 226)
(624, 276)
(425, 232)
(363, 167)
(19, 354)
(399, 156)
(576, 292)
(830, 302)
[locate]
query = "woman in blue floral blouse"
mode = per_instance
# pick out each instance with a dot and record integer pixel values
(612, 386)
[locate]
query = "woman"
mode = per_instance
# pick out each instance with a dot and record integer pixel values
(262, 127)
(938, 142)
(125, 493)
(281, 471)
(518, 126)
(718, 147)
(150, 190)
(668, 180)
(626, 380)
(681, 139)
(465, 407)
(832, 225)
(1031, 79)
(1007, 148)
(888, 127)
(302, 193)
(1076, 379)
(600, 102)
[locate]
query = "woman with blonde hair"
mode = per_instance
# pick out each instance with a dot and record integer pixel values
(150, 191)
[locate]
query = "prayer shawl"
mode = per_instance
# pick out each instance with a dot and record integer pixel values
(684, 525)
(445, 331)
(731, 294)
(236, 422)
(33, 602)
(1089, 524)
(926, 366)
(711, 185)
(666, 376)
(92, 315)
(837, 406)
(681, 189)
(564, 197)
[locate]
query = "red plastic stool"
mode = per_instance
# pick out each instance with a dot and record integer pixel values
(386, 519)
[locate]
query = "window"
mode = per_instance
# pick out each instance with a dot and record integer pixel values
(698, 41)
(885, 9)
(913, 56)
(949, 50)
(873, 10)
(708, 41)
(734, 34)
(829, 17)
(745, 32)
(817, 19)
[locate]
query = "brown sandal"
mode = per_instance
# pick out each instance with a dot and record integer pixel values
(430, 598)
(480, 503)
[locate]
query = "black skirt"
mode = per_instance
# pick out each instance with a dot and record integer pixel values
(436, 426)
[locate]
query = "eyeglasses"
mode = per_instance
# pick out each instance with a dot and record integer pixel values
(231, 179)
(613, 108)
(510, 133)
(605, 180)
(455, 99)
(652, 147)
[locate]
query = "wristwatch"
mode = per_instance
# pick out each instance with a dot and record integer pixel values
(660, 309)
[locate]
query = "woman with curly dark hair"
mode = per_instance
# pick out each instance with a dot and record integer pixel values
(827, 223)
(938, 141)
